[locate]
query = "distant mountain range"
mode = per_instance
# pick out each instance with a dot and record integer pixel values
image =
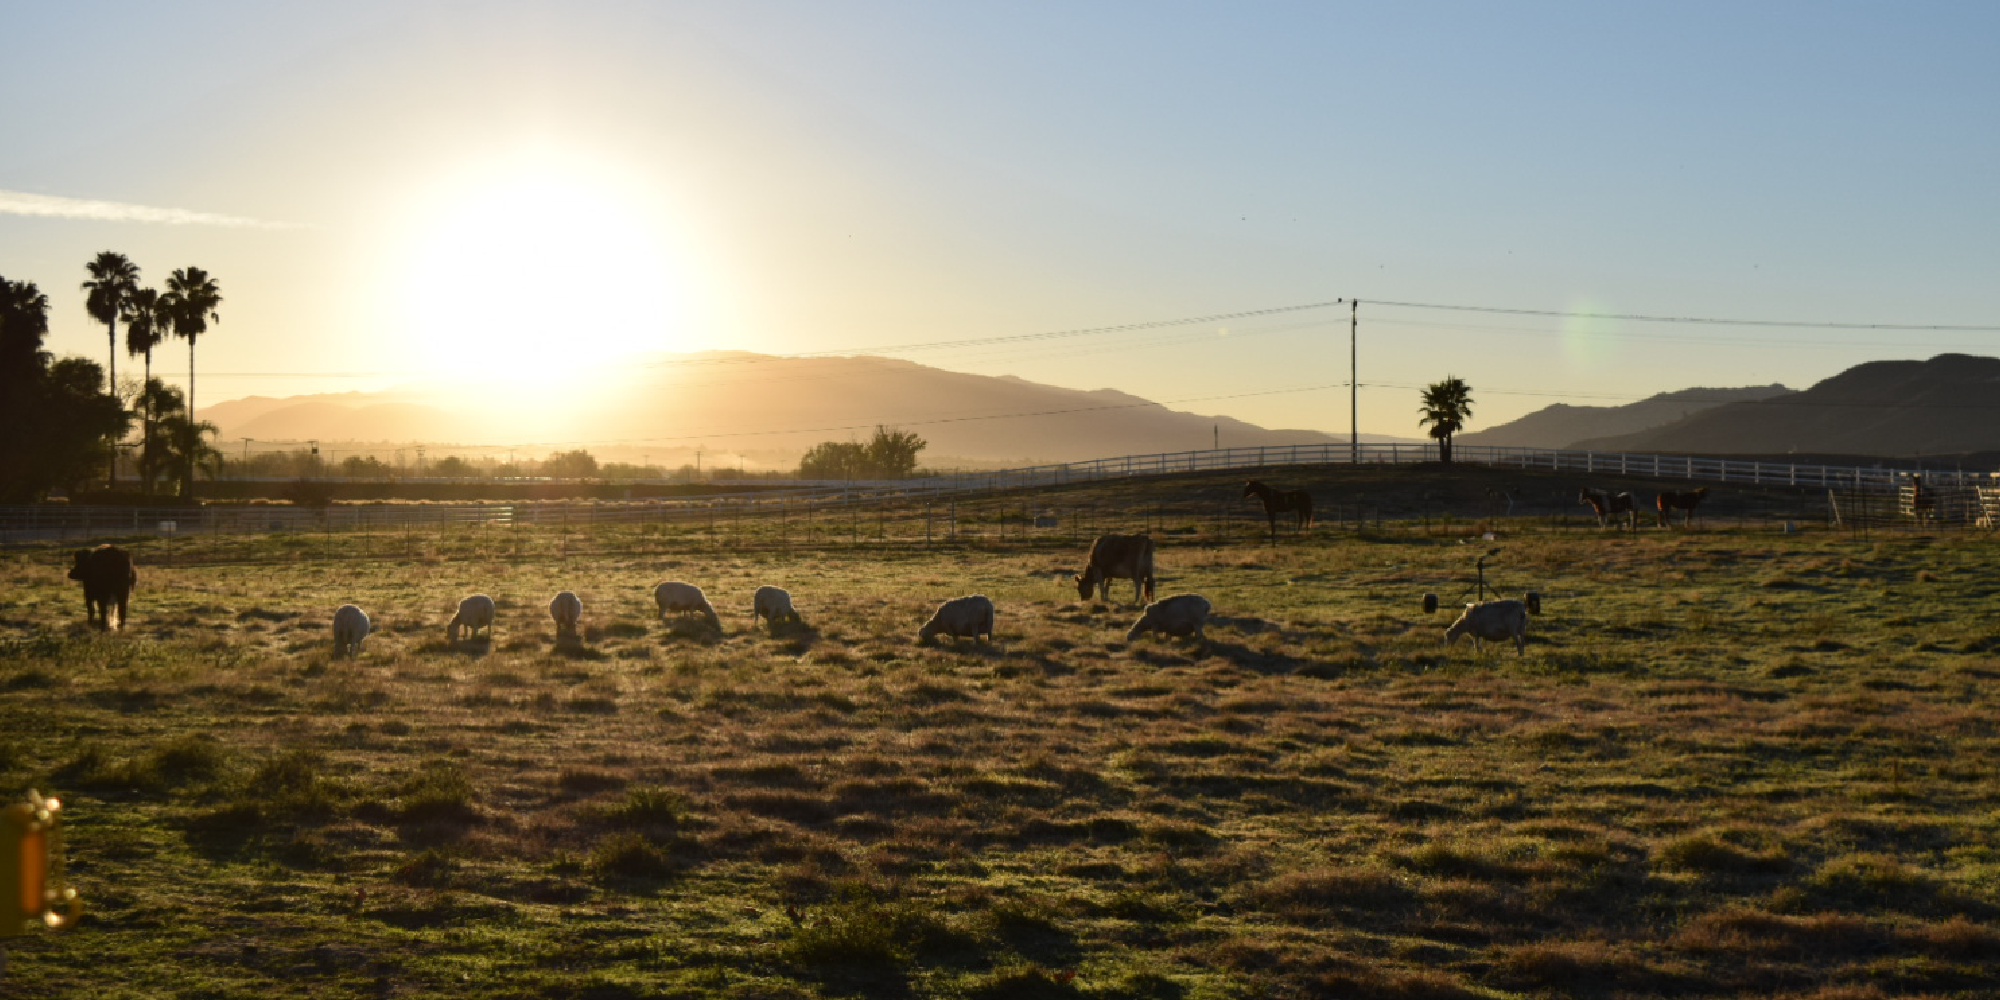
(1561, 425)
(733, 404)
(1946, 406)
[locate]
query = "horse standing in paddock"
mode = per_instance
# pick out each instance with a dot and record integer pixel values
(1296, 502)
(1609, 504)
(1670, 501)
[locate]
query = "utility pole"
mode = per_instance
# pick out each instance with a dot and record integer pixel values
(1353, 381)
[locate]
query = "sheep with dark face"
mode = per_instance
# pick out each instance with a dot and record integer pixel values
(1181, 615)
(350, 626)
(960, 617)
(474, 613)
(1492, 620)
(774, 605)
(108, 577)
(567, 610)
(681, 598)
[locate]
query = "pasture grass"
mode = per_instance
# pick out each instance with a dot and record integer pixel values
(1734, 762)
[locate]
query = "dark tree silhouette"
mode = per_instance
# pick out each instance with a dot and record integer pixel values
(889, 455)
(146, 327)
(113, 280)
(191, 299)
(1447, 405)
(56, 422)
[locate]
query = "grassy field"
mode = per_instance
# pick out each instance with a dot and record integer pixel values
(1735, 761)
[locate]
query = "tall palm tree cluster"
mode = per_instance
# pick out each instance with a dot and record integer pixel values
(172, 443)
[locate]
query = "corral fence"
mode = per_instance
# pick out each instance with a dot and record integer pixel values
(1022, 504)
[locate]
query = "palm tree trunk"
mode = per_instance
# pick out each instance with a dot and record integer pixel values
(187, 476)
(146, 427)
(111, 474)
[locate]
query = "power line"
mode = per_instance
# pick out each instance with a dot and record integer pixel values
(1702, 320)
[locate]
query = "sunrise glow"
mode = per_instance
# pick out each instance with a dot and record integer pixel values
(536, 268)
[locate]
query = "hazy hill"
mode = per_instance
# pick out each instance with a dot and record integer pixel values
(1561, 425)
(1947, 405)
(729, 402)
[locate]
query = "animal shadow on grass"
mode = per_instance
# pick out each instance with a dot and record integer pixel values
(697, 629)
(616, 630)
(574, 648)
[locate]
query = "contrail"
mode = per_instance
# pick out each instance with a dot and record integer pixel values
(23, 203)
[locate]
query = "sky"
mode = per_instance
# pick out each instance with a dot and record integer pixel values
(1177, 200)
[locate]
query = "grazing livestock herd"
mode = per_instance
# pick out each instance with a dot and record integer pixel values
(108, 575)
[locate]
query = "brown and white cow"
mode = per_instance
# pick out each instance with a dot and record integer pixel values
(108, 577)
(1122, 557)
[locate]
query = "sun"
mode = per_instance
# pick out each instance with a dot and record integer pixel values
(538, 268)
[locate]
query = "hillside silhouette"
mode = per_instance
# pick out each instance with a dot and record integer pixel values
(1948, 405)
(1561, 425)
(759, 404)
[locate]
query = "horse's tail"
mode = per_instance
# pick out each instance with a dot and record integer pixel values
(1306, 507)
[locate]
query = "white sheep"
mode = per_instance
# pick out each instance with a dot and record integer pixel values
(474, 613)
(1180, 615)
(774, 605)
(350, 626)
(1492, 620)
(960, 616)
(567, 609)
(682, 597)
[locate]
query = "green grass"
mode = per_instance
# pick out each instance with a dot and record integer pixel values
(1734, 762)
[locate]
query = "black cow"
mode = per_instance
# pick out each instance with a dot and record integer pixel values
(108, 578)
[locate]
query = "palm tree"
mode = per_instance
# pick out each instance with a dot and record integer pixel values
(146, 328)
(1447, 406)
(113, 280)
(191, 300)
(184, 446)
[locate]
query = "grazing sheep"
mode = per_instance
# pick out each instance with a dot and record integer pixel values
(774, 604)
(108, 578)
(350, 626)
(474, 613)
(1492, 620)
(676, 596)
(567, 609)
(1125, 557)
(960, 616)
(1180, 615)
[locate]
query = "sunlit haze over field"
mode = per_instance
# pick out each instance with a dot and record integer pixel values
(1556, 203)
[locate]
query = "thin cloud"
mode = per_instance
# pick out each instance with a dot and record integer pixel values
(23, 203)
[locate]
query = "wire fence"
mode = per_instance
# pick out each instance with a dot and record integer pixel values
(992, 504)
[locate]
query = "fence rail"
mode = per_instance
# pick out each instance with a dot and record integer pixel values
(56, 521)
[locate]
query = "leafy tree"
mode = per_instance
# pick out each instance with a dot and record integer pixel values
(889, 455)
(1447, 405)
(114, 279)
(191, 299)
(453, 467)
(56, 421)
(834, 460)
(893, 454)
(578, 464)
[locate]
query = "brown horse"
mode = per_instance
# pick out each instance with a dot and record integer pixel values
(1608, 504)
(1670, 501)
(1296, 502)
